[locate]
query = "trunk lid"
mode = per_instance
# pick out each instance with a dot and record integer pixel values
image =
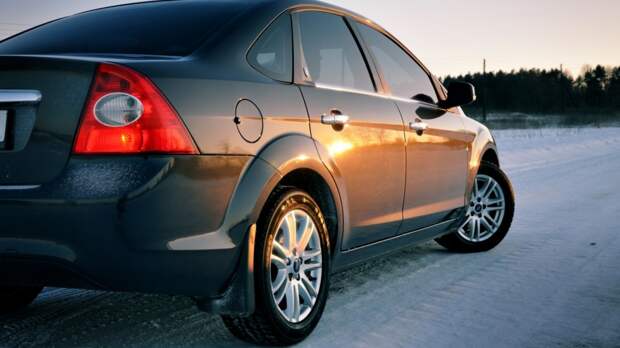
(39, 132)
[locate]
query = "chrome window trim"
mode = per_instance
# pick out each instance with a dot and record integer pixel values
(371, 94)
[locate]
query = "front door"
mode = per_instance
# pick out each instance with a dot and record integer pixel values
(436, 165)
(436, 142)
(361, 132)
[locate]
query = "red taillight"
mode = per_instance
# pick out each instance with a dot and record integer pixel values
(126, 114)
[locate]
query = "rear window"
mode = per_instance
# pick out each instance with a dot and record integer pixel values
(272, 54)
(156, 28)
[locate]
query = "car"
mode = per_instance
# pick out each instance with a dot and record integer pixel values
(240, 153)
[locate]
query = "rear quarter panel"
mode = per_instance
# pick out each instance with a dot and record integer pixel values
(208, 109)
(206, 87)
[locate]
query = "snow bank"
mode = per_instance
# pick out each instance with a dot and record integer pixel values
(523, 149)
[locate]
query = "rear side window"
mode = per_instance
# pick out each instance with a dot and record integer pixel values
(272, 54)
(405, 77)
(332, 55)
(157, 28)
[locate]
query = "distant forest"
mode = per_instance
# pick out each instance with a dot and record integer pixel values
(597, 89)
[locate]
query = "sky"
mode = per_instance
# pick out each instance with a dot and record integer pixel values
(449, 36)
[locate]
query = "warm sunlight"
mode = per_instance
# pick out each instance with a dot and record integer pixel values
(340, 173)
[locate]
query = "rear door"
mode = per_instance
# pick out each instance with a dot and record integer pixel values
(436, 142)
(361, 131)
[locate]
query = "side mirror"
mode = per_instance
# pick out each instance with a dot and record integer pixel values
(423, 98)
(459, 94)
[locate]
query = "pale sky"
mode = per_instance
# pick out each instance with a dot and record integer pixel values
(449, 36)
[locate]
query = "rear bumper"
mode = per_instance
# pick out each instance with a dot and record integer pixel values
(111, 223)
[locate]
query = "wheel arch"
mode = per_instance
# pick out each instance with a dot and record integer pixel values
(490, 155)
(299, 165)
(289, 160)
(315, 185)
(482, 148)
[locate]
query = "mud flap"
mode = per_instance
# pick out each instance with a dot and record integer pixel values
(239, 298)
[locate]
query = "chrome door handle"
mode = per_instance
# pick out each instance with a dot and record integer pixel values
(335, 119)
(418, 126)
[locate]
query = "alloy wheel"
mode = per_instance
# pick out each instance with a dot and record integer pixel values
(485, 212)
(296, 266)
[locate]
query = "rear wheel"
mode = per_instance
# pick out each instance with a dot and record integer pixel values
(292, 272)
(14, 298)
(489, 213)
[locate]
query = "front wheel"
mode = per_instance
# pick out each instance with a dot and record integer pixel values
(489, 213)
(292, 272)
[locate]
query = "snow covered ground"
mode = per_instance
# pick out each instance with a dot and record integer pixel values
(554, 282)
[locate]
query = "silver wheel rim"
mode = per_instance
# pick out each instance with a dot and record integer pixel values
(485, 211)
(296, 266)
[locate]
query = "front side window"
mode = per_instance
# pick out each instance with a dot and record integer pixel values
(272, 54)
(332, 55)
(404, 76)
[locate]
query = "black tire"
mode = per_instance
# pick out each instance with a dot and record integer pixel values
(455, 242)
(15, 298)
(267, 326)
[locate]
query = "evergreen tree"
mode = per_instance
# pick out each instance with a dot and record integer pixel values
(595, 86)
(545, 91)
(613, 89)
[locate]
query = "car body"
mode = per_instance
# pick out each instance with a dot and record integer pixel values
(386, 170)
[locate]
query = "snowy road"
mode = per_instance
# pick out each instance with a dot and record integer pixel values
(554, 282)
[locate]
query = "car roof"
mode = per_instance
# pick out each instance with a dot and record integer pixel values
(268, 9)
(276, 5)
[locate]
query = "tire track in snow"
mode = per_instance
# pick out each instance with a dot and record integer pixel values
(546, 285)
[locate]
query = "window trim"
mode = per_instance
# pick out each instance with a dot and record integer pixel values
(357, 20)
(300, 61)
(293, 51)
(386, 85)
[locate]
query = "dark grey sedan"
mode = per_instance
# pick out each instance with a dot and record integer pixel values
(237, 152)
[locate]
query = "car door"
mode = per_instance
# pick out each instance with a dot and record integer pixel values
(362, 132)
(437, 151)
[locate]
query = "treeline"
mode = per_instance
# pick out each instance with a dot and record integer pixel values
(545, 91)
